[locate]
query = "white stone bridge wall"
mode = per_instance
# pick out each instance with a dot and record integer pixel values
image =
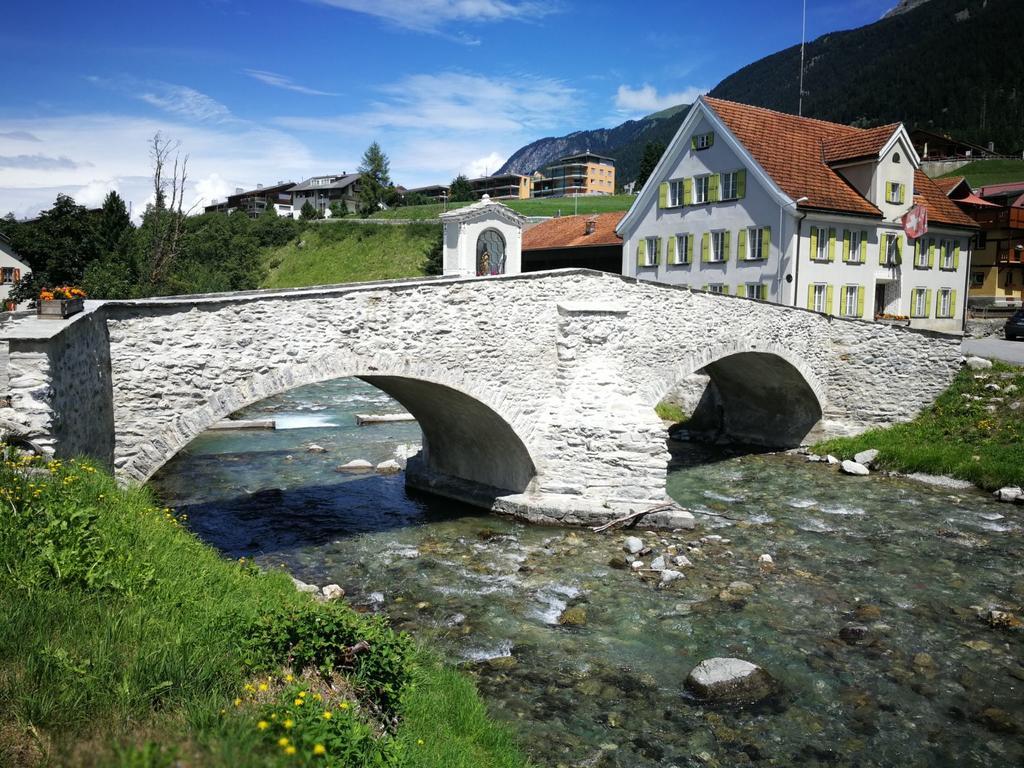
(535, 392)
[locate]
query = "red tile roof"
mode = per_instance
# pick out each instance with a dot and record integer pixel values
(941, 210)
(570, 232)
(865, 143)
(948, 183)
(791, 151)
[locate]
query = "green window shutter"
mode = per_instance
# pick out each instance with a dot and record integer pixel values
(641, 248)
(883, 247)
(657, 251)
(931, 253)
(814, 243)
(831, 244)
(705, 288)
(693, 142)
(705, 254)
(952, 303)
(860, 301)
(927, 302)
(741, 290)
(956, 255)
(741, 183)
(903, 191)
(864, 246)
(899, 249)
(663, 195)
(687, 191)
(828, 299)
(810, 296)
(741, 245)
(711, 139)
(766, 242)
(672, 250)
(689, 249)
(846, 245)
(726, 253)
(713, 188)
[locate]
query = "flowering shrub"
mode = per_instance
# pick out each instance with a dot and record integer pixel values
(61, 292)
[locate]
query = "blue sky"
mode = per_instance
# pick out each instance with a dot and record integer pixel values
(258, 92)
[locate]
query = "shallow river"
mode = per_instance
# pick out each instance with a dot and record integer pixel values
(926, 682)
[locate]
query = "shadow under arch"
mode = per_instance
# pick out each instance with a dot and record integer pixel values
(465, 436)
(757, 395)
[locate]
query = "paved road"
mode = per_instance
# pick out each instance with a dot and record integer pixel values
(995, 348)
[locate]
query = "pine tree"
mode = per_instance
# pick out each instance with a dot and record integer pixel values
(308, 212)
(652, 154)
(434, 264)
(113, 222)
(374, 179)
(460, 190)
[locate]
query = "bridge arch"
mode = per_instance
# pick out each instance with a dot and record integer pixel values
(467, 432)
(762, 393)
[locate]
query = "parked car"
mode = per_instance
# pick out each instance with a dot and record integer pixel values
(1014, 328)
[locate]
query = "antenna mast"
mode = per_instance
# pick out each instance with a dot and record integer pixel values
(803, 38)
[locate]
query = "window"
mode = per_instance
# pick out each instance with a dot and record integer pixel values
(982, 238)
(757, 243)
(891, 254)
(703, 140)
(820, 235)
(944, 305)
(757, 291)
(717, 288)
(651, 251)
(717, 246)
(894, 192)
(819, 297)
(921, 253)
(7, 275)
(919, 303)
(896, 157)
(854, 237)
(701, 189)
(675, 194)
(946, 255)
(851, 301)
(977, 279)
(684, 247)
(729, 186)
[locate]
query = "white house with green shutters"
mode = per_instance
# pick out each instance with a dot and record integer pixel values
(774, 207)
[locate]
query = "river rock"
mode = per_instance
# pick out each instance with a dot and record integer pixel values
(619, 562)
(854, 634)
(658, 563)
(668, 576)
(636, 565)
(814, 457)
(1010, 493)
(682, 561)
(573, 617)
(671, 519)
(854, 468)
(725, 679)
(314, 448)
(765, 563)
(304, 587)
(867, 457)
(867, 612)
(389, 467)
(359, 465)
(633, 544)
(741, 588)
(831, 459)
(333, 592)
(978, 363)
(1003, 620)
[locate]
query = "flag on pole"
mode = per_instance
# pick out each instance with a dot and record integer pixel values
(915, 222)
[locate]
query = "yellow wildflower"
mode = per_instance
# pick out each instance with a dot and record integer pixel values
(328, 715)
(288, 723)
(299, 702)
(302, 694)
(289, 750)
(420, 742)
(238, 702)
(264, 687)
(343, 705)
(318, 697)
(288, 678)
(319, 749)
(283, 742)
(263, 725)
(249, 689)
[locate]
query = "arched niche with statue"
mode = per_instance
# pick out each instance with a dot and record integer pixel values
(485, 238)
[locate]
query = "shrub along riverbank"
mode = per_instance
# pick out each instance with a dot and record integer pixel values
(127, 642)
(973, 431)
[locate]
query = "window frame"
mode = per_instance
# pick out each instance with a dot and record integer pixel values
(721, 289)
(944, 310)
(821, 291)
(821, 246)
(977, 279)
(855, 243)
(716, 253)
(755, 244)
(921, 257)
(893, 192)
(682, 252)
(892, 250)
(7, 275)
(734, 179)
(651, 255)
(757, 291)
(701, 184)
(946, 249)
(702, 141)
(919, 298)
(850, 292)
(675, 193)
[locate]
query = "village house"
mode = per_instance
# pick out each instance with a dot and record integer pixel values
(255, 201)
(997, 266)
(322, 191)
(579, 242)
(12, 269)
(756, 203)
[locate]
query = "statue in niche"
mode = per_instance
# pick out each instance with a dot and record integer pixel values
(490, 253)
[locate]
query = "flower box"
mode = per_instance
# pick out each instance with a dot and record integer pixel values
(59, 308)
(900, 320)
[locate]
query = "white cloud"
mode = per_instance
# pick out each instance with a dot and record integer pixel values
(646, 98)
(431, 15)
(39, 162)
(185, 102)
(285, 82)
(484, 166)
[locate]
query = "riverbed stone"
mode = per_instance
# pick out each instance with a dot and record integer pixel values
(978, 363)
(358, 465)
(669, 575)
(867, 612)
(854, 468)
(1010, 493)
(332, 592)
(633, 544)
(315, 448)
(854, 634)
(867, 457)
(658, 563)
(741, 588)
(576, 616)
(389, 467)
(729, 679)
(302, 586)
(619, 562)
(682, 561)
(831, 459)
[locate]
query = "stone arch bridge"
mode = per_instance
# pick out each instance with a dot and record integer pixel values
(535, 393)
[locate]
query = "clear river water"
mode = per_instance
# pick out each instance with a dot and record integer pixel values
(921, 679)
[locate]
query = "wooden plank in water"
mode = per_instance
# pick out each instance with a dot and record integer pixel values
(382, 418)
(245, 424)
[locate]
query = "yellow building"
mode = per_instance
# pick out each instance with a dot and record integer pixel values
(583, 174)
(997, 264)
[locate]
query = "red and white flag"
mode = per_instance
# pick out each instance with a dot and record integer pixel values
(915, 222)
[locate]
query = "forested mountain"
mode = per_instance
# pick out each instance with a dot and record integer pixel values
(956, 66)
(625, 143)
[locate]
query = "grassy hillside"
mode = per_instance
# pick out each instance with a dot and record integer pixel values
(346, 252)
(982, 172)
(552, 206)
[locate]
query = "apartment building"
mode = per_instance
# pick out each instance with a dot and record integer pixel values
(582, 174)
(322, 191)
(255, 201)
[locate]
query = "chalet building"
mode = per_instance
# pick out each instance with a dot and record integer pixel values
(583, 174)
(581, 242)
(323, 191)
(12, 269)
(997, 266)
(930, 145)
(436, 193)
(255, 201)
(802, 212)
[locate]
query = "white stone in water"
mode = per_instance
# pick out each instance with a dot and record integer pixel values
(1010, 493)
(314, 448)
(658, 563)
(389, 467)
(765, 559)
(853, 468)
(710, 537)
(723, 679)
(831, 459)
(866, 457)
(359, 465)
(376, 597)
(813, 457)
(304, 587)
(978, 363)
(636, 565)
(668, 576)
(332, 592)
(632, 544)
(682, 561)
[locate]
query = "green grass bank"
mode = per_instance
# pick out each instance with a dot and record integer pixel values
(349, 252)
(127, 642)
(546, 206)
(982, 172)
(972, 432)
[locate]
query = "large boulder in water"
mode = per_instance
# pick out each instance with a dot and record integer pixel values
(725, 679)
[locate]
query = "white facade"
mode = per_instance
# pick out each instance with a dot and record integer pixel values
(11, 270)
(485, 238)
(752, 239)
